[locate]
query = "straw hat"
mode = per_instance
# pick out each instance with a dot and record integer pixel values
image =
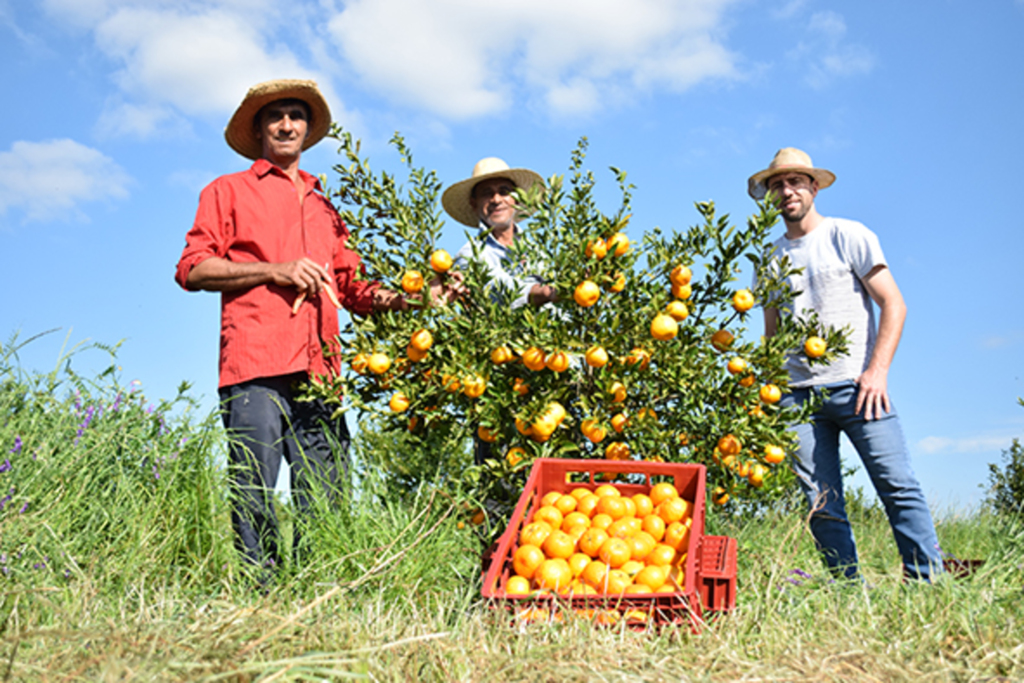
(240, 134)
(456, 198)
(788, 160)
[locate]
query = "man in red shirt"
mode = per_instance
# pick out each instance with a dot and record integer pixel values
(268, 240)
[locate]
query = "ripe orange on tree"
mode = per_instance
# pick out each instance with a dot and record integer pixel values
(743, 300)
(736, 365)
(678, 310)
(664, 327)
(587, 293)
(618, 392)
(596, 249)
(619, 422)
(441, 261)
(722, 340)
(421, 340)
(680, 275)
(682, 292)
(596, 356)
(774, 454)
(815, 347)
(412, 281)
(618, 283)
(729, 445)
(533, 358)
(558, 361)
(618, 243)
(485, 434)
(770, 393)
(474, 386)
(399, 402)
(757, 475)
(502, 355)
(378, 363)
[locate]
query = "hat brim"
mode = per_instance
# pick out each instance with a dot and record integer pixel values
(757, 185)
(240, 133)
(455, 199)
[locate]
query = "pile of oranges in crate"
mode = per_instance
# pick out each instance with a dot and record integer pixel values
(600, 542)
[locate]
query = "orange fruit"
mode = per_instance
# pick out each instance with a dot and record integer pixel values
(774, 454)
(579, 493)
(630, 506)
(606, 490)
(678, 310)
(618, 243)
(661, 555)
(517, 585)
(674, 510)
(565, 504)
(743, 300)
(643, 504)
(559, 544)
(757, 475)
(619, 422)
(485, 434)
(663, 491)
(441, 261)
(664, 327)
(587, 504)
(637, 589)
(359, 363)
(640, 546)
(640, 357)
(533, 358)
(618, 392)
(815, 347)
(574, 519)
(655, 526)
(594, 573)
(474, 386)
(421, 340)
(747, 381)
(680, 275)
(587, 293)
(614, 552)
(619, 283)
(722, 340)
(756, 411)
(770, 393)
(535, 533)
(577, 563)
(558, 361)
(520, 387)
(719, 496)
(412, 281)
(632, 568)
(550, 497)
(549, 514)
(514, 456)
(414, 354)
(591, 541)
(682, 291)
(729, 445)
(677, 536)
(736, 366)
(501, 355)
(596, 356)
(399, 402)
(526, 560)
(596, 249)
(378, 363)
(601, 520)
(652, 576)
(553, 574)
(620, 528)
(613, 506)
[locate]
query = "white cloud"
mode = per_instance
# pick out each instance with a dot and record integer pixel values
(824, 55)
(462, 59)
(49, 180)
(932, 445)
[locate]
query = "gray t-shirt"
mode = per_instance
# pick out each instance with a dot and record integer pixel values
(834, 256)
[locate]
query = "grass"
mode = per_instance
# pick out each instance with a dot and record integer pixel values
(116, 563)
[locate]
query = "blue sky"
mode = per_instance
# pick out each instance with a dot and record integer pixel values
(114, 112)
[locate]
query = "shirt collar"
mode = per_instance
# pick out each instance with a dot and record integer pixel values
(261, 167)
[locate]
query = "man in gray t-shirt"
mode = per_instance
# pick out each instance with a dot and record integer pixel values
(844, 271)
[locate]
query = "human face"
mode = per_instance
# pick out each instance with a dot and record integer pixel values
(493, 202)
(795, 193)
(282, 129)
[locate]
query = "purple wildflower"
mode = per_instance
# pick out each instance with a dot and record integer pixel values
(67, 573)
(5, 466)
(800, 572)
(4, 501)
(17, 445)
(89, 412)
(23, 509)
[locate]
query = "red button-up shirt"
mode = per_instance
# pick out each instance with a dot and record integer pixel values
(256, 216)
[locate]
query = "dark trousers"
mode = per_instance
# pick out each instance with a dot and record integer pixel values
(264, 424)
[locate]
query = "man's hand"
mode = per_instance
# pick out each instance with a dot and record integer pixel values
(542, 294)
(873, 394)
(448, 291)
(304, 274)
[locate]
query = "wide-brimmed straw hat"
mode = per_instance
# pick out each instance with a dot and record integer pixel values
(240, 133)
(456, 198)
(788, 160)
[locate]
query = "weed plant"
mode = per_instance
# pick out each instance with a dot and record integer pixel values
(116, 563)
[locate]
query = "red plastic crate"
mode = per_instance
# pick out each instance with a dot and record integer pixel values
(710, 568)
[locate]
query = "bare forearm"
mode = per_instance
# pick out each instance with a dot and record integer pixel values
(220, 275)
(890, 330)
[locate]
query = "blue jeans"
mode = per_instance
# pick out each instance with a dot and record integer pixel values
(883, 451)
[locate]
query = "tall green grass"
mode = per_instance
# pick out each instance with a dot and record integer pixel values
(116, 562)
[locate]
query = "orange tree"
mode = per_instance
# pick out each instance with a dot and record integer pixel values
(643, 356)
